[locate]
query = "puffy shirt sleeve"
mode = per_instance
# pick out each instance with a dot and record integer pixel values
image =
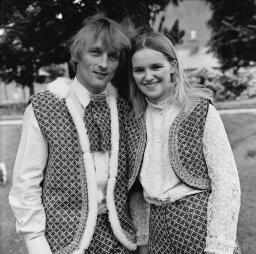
(25, 195)
(224, 201)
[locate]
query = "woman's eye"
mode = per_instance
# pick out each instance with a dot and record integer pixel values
(138, 70)
(156, 67)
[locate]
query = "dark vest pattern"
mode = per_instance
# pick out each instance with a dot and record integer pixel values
(185, 145)
(64, 188)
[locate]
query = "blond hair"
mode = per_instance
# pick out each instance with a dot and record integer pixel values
(184, 92)
(99, 26)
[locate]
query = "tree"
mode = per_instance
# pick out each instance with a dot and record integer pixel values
(174, 34)
(233, 37)
(36, 33)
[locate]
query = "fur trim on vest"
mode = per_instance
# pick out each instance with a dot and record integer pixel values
(60, 90)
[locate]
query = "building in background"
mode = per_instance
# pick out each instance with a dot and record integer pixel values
(193, 16)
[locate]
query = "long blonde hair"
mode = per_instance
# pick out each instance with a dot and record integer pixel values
(184, 92)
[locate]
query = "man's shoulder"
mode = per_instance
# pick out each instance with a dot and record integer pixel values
(57, 89)
(60, 87)
(38, 97)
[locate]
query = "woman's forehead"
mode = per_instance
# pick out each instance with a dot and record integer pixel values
(147, 55)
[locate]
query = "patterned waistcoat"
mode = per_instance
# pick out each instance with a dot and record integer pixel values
(185, 144)
(66, 191)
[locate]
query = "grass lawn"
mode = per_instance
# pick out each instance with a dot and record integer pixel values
(10, 242)
(241, 129)
(246, 103)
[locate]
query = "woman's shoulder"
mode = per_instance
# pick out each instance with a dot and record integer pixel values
(213, 112)
(196, 104)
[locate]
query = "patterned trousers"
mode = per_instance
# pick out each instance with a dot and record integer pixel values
(104, 241)
(180, 227)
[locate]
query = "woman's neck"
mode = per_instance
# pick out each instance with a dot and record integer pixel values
(160, 104)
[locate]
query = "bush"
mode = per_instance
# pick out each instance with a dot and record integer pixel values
(225, 86)
(9, 109)
(230, 87)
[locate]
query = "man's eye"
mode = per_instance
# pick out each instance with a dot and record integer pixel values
(95, 52)
(113, 57)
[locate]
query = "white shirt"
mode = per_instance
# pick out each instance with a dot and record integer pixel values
(25, 195)
(162, 185)
(159, 181)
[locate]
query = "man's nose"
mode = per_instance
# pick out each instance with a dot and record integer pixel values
(103, 61)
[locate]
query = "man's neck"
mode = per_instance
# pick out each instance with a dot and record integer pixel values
(89, 89)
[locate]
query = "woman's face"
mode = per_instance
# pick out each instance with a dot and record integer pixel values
(151, 72)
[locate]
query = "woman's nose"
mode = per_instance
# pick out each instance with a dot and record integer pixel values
(148, 75)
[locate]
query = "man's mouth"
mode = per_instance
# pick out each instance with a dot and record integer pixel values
(101, 74)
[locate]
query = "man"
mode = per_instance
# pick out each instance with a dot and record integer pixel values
(71, 176)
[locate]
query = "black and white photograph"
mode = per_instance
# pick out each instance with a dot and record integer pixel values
(127, 127)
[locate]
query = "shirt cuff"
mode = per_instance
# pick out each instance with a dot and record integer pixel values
(37, 245)
(218, 246)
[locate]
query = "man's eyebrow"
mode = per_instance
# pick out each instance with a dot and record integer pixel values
(109, 51)
(95, 47)
(114, 52)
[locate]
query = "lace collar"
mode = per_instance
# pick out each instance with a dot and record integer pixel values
(161, 105)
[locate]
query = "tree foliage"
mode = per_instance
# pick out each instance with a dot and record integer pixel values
(174, 33)
(233, 36)
(36, 33)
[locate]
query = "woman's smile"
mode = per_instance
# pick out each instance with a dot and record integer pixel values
(151, 73)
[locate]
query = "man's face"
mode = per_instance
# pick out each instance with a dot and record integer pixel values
(96, 66)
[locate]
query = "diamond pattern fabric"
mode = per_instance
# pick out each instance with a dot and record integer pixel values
(64, 187)
(104, 241)
(183, 223)
(65, 194)
(97, 121)
(180, 227)
(186, 150)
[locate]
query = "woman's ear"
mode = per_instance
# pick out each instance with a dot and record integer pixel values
(173, 65)
(173, 68)
(172, 81)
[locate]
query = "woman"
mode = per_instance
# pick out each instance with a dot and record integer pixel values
(188, 172)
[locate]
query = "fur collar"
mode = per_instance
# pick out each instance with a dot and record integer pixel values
(61, 88)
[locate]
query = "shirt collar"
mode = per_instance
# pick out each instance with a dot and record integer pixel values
(82, 93)
(162, 105)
